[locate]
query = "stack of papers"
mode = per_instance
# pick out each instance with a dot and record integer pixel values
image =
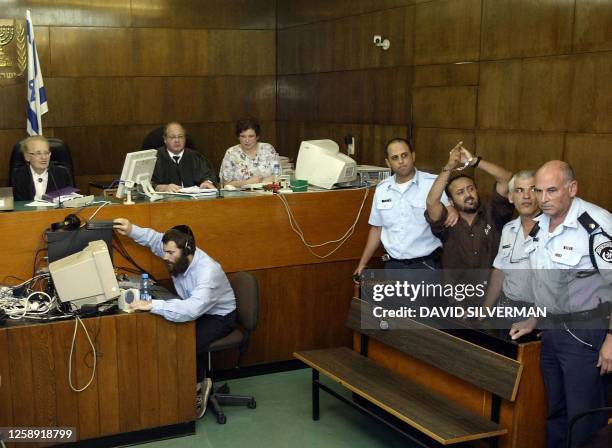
(194, 192)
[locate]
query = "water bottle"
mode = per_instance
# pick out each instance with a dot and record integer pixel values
(276, 170)
(145, 283)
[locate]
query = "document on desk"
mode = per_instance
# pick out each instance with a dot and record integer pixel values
(194, 192)
(41, 204)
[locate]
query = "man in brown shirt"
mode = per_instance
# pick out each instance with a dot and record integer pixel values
(472, 243)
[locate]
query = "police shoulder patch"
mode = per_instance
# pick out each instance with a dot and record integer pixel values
(604, 251)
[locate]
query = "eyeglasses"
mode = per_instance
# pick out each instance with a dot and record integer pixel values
(39, 154)
(175, 137)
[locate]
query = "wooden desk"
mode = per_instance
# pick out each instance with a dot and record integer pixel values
(299, 306)
(145, 375)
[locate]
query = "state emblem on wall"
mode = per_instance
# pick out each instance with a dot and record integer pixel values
(13, 50)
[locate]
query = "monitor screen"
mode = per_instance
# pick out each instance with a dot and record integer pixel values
(138, 170)
(321, 163)
(62, 243)
(86, 277)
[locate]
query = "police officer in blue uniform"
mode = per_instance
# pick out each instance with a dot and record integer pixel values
(508, 285)
(572, 278)
(397, 218)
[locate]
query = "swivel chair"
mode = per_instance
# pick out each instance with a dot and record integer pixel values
(60, 155)
(603, 439)
(247, 305)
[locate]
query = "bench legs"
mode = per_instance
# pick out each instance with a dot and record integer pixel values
(315, 394)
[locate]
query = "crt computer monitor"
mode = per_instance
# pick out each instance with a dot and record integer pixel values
(86, 277)
(138, 170)
(321, 163)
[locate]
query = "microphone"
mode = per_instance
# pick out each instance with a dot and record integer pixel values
(55, 186)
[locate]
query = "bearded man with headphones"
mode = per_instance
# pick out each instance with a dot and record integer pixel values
(205, 294)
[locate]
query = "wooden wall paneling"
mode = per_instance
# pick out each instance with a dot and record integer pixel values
(80, 51)
(445, 107)
(359, 96)
(108, 377)
(447, 31)
(90, 101)
(148, 373)
(233, 97)
(446, 75)
(240, 52)
(291, 313)
(292, 13)
(43, 371)
(82, 369)
(128, 369)
(592, 30)
(113, 13)
(524, 28)
(298, 97)
(545, 93)
(346, 43)
(590, 109)
(433, 144)
(12, 106)
(6, 395)
(188, 52)
(589, 155)
(499, 95)
(167, 368)
(515, 151)
(22, 376)
(66, 399)
(221, 14)
(170, 52)
(98, 150)
(186, 362)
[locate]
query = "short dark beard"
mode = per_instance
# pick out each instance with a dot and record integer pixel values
(179, 267)
(472, 209)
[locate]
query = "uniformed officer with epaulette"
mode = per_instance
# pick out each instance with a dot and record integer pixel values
(572, 278)
(397, 218)
(508, 285)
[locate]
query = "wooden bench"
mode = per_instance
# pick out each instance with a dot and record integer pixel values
(442, 420)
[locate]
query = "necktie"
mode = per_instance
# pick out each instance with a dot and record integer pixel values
(176, 159)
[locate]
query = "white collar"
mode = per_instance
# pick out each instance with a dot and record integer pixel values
(42, 176)
(172, 155)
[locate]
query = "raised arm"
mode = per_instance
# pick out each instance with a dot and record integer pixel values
(435, 208)
(501, 175)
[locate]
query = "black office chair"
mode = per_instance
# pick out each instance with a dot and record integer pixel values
(155, 139)
(60, 155)
(247, 305)
(603, 439)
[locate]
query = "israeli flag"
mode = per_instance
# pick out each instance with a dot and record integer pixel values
(37, 98)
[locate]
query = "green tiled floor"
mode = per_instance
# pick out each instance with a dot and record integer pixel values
(283, 419)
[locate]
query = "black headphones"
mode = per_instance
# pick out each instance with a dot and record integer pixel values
(70, 222)
(189, 247)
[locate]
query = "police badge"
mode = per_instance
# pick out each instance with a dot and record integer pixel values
(13, 50)
(604, 251)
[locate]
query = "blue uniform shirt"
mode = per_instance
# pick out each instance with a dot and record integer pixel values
(513, 259)
(561, 260)
(203, 288)
(405, 232)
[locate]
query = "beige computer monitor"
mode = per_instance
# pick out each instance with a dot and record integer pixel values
(86, 277)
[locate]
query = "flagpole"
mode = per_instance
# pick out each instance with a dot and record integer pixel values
(36, 96)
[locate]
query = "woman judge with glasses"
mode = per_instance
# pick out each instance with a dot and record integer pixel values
(38, 176)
